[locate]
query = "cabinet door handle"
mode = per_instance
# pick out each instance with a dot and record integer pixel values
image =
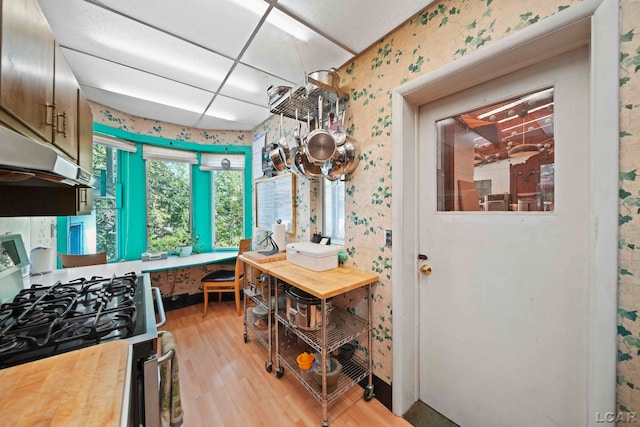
(51, 122)
(64, 123)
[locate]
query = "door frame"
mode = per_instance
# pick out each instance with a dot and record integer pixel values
(548, 38)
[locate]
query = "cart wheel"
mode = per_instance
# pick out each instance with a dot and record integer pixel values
(368, 393)
(279, 372)
(268, 365)
(325, 423)
(246, 338)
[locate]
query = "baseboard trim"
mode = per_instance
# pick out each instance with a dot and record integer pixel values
(381, 391)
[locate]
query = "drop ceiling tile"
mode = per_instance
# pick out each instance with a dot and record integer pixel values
(251, 85)
(115, 78)
(222, 25)
(208, 122)
(357, 24)
(237, 111)
(286, 48)
(90, 29)
(140, 107)
(144, 53)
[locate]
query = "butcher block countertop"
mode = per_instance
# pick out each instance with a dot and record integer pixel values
(257, 258)
(84, 387)
(323, 284)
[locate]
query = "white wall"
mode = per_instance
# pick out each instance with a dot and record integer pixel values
(497, 172)
(35, 231)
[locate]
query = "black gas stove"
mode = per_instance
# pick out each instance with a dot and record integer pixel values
(42, 321)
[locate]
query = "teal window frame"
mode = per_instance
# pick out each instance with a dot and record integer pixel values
(132, 194)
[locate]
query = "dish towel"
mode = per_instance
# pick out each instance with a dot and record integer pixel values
(170, 406)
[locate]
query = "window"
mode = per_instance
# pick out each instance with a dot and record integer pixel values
(227, 202)
(98, 232)
(333, 210)
(148, 197)
(499, 157)
(168, 204)
(105, 209)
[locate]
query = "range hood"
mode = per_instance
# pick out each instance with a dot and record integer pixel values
(22, 159)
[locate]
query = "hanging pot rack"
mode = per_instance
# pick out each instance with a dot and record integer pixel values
(304, 99)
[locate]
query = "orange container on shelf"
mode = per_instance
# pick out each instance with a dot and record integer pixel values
(305, 360)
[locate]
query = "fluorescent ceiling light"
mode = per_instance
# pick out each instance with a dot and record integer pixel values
(289, 25)
(257, 7)
(219, 115)
(276, 18)
(517, 102)
(526, 123)
(157, 57)
(156, 97)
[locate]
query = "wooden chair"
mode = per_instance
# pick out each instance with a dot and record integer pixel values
(225, 280)
(69, 261)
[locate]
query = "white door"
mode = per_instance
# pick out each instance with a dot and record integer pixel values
(504, 313)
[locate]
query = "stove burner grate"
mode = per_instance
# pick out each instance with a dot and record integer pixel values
(69, 316)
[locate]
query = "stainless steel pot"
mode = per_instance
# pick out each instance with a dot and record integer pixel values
(352, 156)
(333, 169)
(329, 77)
(284, 146)
(303, 165)
(320, 145)
(304, 311)
(278, 159)
(338, 133)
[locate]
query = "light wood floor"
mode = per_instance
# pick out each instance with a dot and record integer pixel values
(223, 381)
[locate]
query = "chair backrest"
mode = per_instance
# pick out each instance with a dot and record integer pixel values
(69, 261)
(245, 245)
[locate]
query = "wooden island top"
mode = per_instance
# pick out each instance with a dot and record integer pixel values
(321, 284)
(81, 388)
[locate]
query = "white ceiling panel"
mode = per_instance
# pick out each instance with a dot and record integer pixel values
(241, 112)
(167, 60)
(290, 49)
(355, 24)
(250, 85)
(221, 25)
(115, 78)
(98, 32)
(141, 108)
(208, 122)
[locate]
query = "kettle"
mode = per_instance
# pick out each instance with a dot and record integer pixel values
(42, 260)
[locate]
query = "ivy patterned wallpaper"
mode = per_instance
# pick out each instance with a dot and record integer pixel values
(444, 32)
(628, 396)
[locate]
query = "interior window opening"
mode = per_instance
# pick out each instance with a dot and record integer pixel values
(499, 157)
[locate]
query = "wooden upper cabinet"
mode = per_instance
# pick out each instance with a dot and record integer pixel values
(65, 92)
(27, 66)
